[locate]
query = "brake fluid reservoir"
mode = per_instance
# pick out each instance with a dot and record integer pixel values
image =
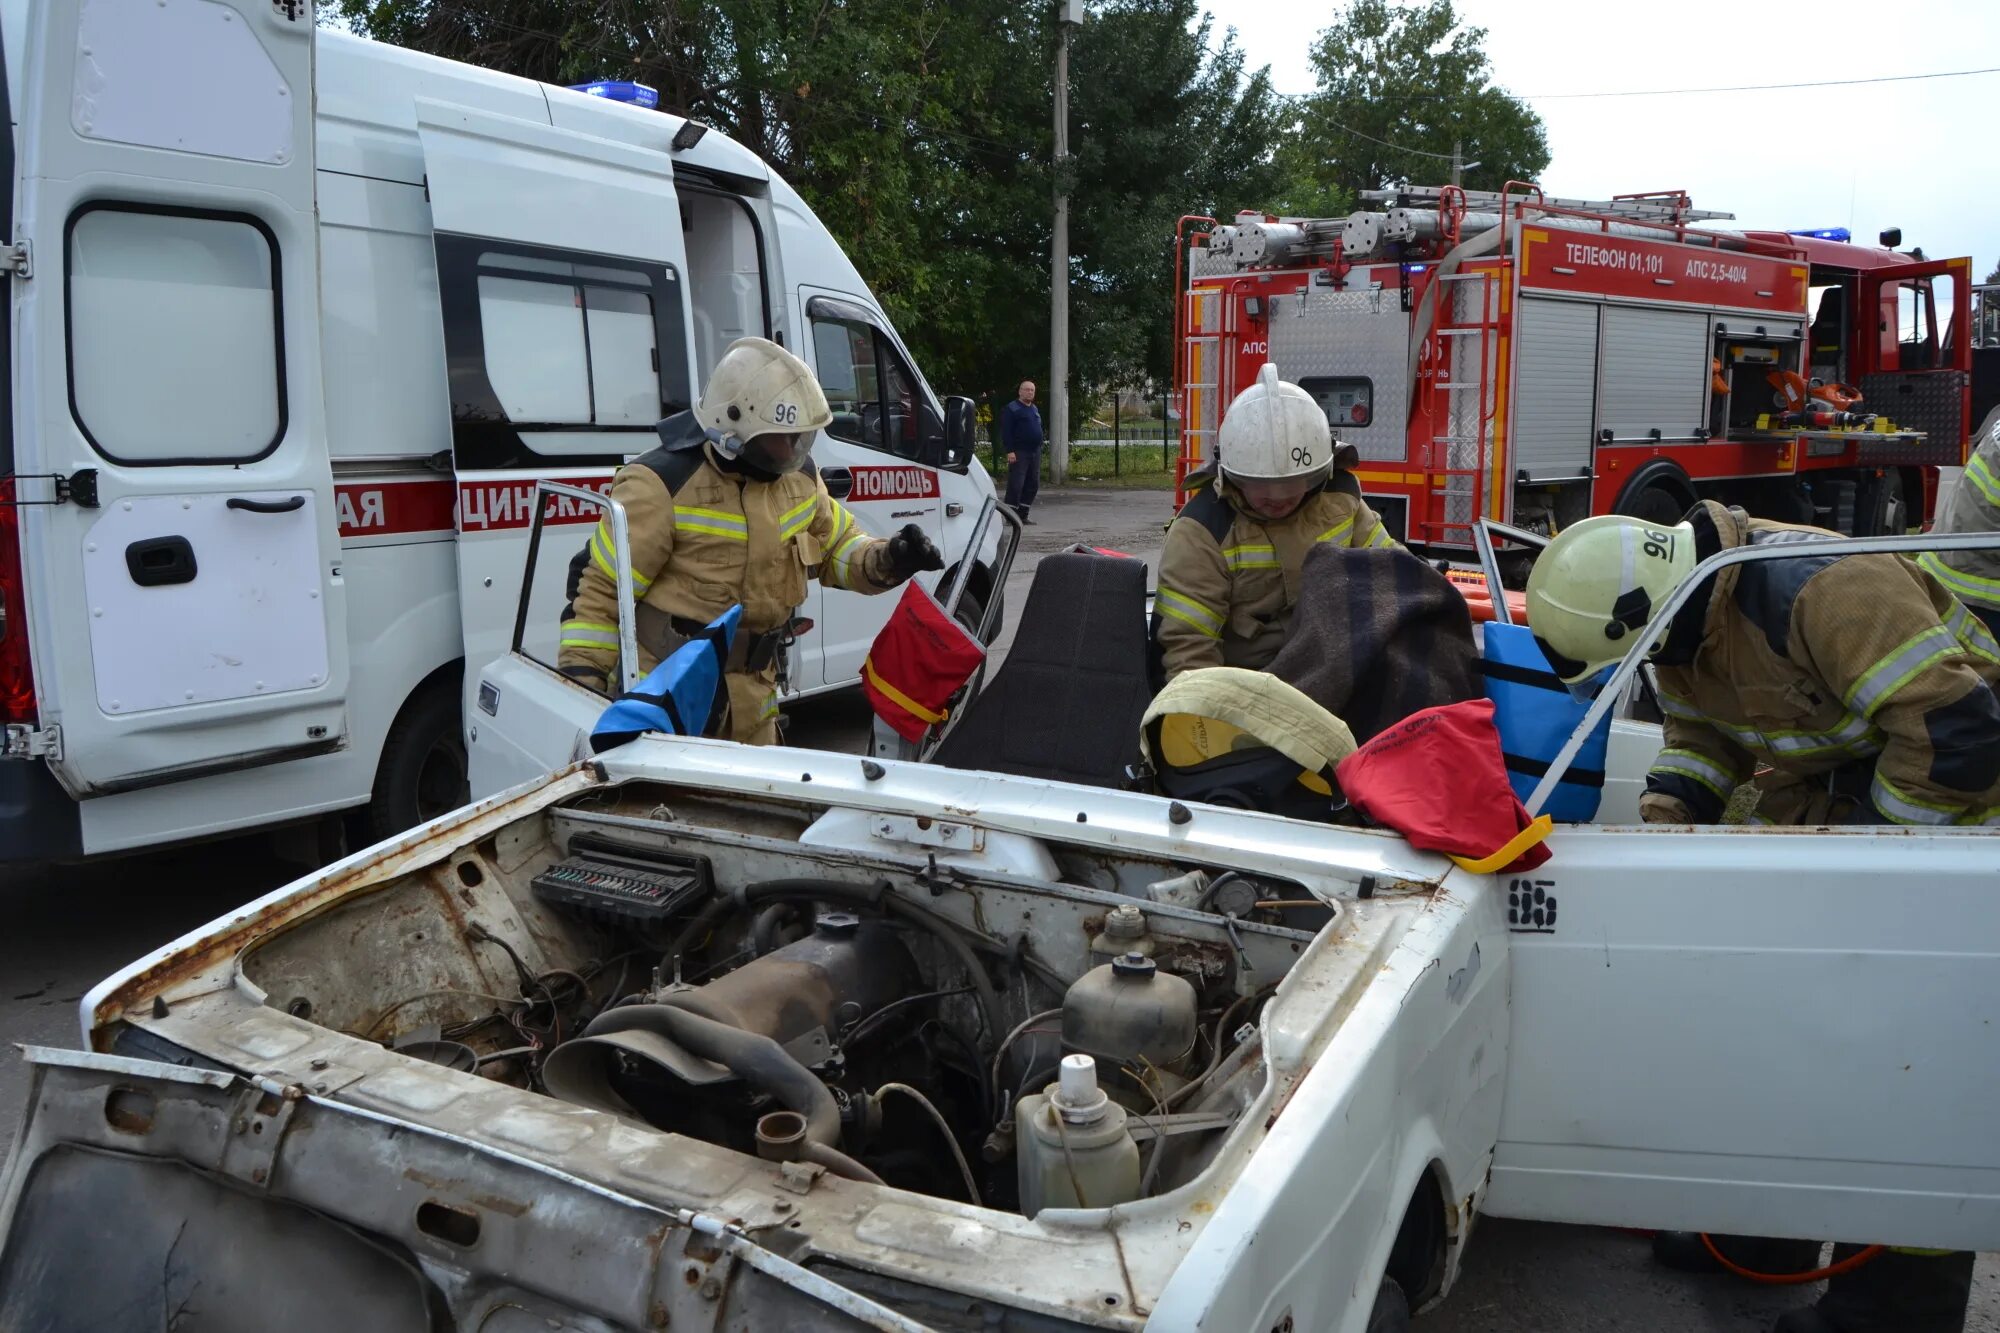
(1073, 1147)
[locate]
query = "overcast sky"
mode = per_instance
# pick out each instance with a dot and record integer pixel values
(1919, 155)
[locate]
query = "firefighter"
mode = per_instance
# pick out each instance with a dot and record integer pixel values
(1229, 576)
(1973, 576)
(730, 510)
(1867, 692)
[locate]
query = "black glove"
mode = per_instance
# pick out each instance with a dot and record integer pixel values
(911, 551)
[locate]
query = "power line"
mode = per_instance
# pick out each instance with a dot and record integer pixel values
(1420, 152)
(1667, 92)
(1770, 87)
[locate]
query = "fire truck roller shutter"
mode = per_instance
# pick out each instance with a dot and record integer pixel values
(1557, 399)
(1656, 372)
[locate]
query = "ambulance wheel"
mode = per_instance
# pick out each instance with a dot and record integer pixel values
(970, 612)
(422, 773)
(1392, 1309)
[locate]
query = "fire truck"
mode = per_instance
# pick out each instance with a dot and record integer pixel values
(1537, 360)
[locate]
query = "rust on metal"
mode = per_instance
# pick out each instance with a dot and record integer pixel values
(400, 856)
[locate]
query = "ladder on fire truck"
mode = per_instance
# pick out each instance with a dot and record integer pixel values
(1459, 370)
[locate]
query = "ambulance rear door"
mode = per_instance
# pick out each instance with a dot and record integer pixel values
(186, 608)
(562, 280)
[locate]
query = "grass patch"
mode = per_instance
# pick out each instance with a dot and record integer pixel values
(1137, 465)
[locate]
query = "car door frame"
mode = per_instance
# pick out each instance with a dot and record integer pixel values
(528, 718)
(1752, 1029)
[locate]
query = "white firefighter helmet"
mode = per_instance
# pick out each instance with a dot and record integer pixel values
(1598, 583)
(758, 391)
(1274, 431)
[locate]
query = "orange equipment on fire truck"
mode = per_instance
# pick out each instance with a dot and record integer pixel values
(1539, 360)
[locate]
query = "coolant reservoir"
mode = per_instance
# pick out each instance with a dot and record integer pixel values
(1073, 1148)
(1130, 1013)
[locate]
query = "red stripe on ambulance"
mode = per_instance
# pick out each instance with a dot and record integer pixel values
(396, 508)
(894, 483)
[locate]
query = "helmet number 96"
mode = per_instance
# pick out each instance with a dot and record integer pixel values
(1659, 545)
(1301, 454)
(785, 414)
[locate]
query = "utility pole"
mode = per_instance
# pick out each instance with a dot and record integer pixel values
(1069, 13)
(1459, 166)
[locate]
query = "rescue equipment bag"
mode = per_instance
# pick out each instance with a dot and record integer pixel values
(1245, 740)
(1535, 713)
(921, 658)
(1438, 779)
(682, 696)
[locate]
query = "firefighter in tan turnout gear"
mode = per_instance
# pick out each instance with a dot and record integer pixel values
(1973, 576)
(1229, 576)
(730, 509)
(1864, 689)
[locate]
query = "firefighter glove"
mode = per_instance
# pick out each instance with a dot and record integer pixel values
(912, 551)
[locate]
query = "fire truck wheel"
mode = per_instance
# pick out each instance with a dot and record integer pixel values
(422, 773)
(1656, 505)
(1392, 1309)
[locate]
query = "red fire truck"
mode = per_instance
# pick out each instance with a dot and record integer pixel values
(1538, 360)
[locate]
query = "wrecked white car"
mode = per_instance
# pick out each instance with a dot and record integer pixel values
(694, 1036)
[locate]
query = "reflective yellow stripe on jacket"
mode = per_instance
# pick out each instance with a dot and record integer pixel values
(715, 522)
(1698, 768)
(1188, 611)
(588, 634)
(1250, 557)
(601, 548)
(797, 519)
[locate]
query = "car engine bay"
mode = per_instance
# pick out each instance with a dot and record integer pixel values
(913, 1001)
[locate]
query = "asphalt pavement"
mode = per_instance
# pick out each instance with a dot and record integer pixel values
(63, 928)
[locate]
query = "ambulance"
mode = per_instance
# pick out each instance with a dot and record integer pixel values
(297, 322)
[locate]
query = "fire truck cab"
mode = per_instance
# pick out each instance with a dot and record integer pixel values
(1538, 360)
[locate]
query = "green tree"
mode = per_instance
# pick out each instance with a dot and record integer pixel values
(904, 123)
(1165, 121)
(920, 132)
(1398, 86)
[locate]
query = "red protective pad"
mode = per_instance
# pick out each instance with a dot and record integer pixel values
(919, 660)
(1437, 778)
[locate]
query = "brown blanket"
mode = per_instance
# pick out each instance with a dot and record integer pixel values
(1377, 635)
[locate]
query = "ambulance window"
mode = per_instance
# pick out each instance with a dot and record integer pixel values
(175, 334)
(913, 422)
(566, 351)
(877, 401)
(844, 353)
(553, 354)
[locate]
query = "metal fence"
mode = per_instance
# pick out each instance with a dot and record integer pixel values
(1126, 441)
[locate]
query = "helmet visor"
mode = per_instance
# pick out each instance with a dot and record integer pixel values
(1276, 499)
(779, 452)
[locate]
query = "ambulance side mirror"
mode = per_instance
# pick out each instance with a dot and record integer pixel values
(960, 420)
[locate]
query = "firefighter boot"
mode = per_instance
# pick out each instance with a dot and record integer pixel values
(1898, 1291)
(1683, 1250)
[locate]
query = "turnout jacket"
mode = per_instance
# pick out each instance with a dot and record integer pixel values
(1973, 576)
(1856, 673)
(1229, 580)
(706, 537)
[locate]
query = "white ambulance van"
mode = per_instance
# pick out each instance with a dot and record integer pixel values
(297, 321)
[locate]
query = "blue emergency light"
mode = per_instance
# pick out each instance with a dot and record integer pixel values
(622, 90)
(1825, 233)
